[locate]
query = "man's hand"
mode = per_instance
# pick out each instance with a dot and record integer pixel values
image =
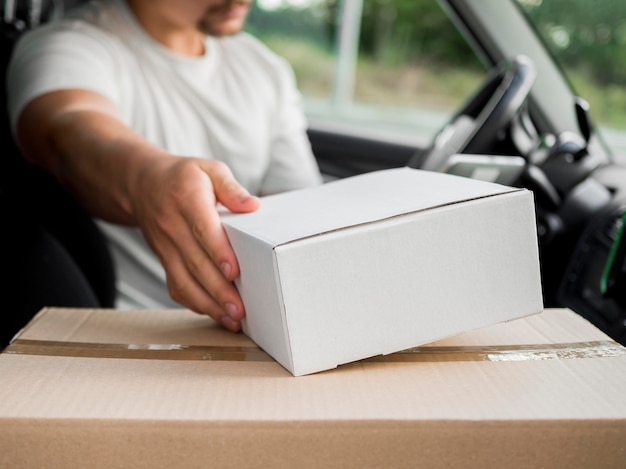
(175, 204)
(120, 177)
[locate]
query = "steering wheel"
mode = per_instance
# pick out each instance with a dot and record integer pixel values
(491, 109)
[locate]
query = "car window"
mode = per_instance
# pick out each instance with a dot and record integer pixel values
(588, 40)
(393, 66)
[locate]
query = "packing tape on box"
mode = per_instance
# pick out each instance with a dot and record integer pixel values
(502, 353)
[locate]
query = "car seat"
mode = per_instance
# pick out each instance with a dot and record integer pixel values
(52, 253)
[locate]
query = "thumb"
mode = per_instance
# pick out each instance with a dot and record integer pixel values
(228, 191)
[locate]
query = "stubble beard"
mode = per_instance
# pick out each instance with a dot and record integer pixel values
(212, 24)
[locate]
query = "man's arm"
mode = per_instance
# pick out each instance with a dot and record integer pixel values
(118, 176)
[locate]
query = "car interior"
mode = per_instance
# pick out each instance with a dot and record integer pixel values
(579, 187)
(52, 251)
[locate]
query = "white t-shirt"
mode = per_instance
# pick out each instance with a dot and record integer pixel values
(237, 103)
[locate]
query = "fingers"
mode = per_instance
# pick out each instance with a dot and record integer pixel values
(227, 190)
(184, 228)
(207, 231)
(215, 296)
(193, 279)
(202, 216)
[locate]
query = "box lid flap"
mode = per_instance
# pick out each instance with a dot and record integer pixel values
(344, 203)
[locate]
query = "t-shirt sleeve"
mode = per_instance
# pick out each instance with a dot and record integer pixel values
(292, 164)
(65, 55)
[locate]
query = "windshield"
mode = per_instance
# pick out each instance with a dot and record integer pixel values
(588, 40)
(386, 66)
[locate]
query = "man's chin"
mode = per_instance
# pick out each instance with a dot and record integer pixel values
(221, 28)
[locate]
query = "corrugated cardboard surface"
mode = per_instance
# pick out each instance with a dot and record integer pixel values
(544, 391)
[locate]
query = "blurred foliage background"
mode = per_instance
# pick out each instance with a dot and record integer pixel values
(410, 54)
(588, 38)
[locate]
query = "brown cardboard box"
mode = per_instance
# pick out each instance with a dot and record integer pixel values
(106, 389)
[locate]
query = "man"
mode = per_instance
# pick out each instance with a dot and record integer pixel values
(153, 112)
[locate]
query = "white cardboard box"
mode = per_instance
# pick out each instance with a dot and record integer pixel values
(381, 262)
